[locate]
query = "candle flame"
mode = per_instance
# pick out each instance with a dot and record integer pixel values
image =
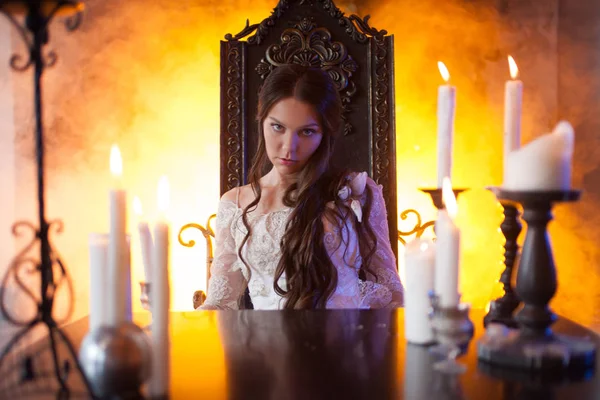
(449, 198)
(424, 246)
(137, 206)
(116, 162)
(444, 71)
(512, 65)
(163, 193)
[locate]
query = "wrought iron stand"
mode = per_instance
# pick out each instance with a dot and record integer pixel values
(34, 32)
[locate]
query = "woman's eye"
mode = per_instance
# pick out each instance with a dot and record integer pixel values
(277, 127)
(308, 132)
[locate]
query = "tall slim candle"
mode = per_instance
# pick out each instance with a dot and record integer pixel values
(513, 98)
(445, 125)
(447, 255)
(145, 240)
(118, 274)
(160, 298)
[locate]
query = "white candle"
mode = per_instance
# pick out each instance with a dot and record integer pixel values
(543, 164)
(99, 278)
(145, 240)
(419, 272)
(160, 298)
(513, 98)
(98, 249)
(447, 256)
(445, 125)
(118, 273)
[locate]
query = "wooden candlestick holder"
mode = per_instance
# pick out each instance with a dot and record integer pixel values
(535, 347)
(502, 309)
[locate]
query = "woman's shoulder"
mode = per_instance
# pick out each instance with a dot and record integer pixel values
(233, 196)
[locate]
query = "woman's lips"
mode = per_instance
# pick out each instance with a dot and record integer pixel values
(286, 161)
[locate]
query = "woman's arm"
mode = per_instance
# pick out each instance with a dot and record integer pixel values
(342, 247)
(227, 282)
(383, 263)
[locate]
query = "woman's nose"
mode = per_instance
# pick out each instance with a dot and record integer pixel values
(290, 142)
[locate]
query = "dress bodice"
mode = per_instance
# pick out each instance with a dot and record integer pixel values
(262, 251)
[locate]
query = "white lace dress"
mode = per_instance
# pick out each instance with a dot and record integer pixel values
(230, 276)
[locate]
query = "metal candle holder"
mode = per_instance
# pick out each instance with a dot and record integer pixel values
(502, 309)
(436, 195)
(535, 347)
(117, 360)
(145, 295)
(34, 32)
(451, 325)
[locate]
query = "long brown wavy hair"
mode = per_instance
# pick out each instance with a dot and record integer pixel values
(310, 275)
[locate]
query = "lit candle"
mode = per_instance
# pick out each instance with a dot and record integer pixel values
(543, 164)
(445, 128)
(419, 272)
(447, 250)
(145, 239)
(513, 98)
(118, 271)
(160, 297)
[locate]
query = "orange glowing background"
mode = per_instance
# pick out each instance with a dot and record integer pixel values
(146, 76)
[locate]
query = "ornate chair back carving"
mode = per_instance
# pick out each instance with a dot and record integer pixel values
(357, 56)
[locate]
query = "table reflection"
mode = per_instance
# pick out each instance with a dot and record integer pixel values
(289, 354)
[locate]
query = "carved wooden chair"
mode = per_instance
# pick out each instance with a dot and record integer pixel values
(359, 58)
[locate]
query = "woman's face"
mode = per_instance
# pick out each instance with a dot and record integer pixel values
(292, 135)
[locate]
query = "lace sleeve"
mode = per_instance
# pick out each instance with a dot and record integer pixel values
(227, 283)
(342, 246)
(383, 262)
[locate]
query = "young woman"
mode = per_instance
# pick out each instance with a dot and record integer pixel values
(302, 235)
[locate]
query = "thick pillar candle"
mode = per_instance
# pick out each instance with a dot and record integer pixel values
(543, 164)
(420, 268)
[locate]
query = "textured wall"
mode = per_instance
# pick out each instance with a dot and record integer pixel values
(145, 75)
(7, 160)
(579, 101)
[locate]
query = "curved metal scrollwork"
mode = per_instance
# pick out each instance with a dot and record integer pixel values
(71, 9)
(417, 230)
(312, 46)
(207, 232)
(51, 270)
(24, 264)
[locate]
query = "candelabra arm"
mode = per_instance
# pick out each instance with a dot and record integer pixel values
(417, 230)
(209, 234)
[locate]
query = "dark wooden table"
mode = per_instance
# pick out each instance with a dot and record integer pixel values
(352, 354)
